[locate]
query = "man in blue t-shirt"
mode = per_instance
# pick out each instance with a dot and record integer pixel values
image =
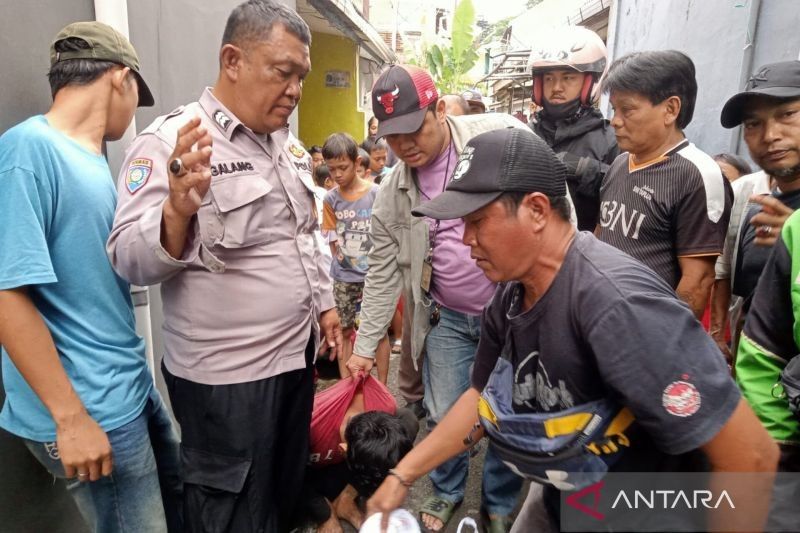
(78, 389)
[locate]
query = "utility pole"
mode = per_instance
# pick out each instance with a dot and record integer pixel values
(396, 23)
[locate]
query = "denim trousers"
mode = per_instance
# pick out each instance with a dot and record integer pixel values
(449, 352)
(144, 482)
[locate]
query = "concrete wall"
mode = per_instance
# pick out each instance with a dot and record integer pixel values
(325, 110)
(714, 34)
(24, 52)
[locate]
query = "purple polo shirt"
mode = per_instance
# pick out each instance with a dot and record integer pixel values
(458, 283)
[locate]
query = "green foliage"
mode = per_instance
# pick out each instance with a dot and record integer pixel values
(449, 63)
(532, 3)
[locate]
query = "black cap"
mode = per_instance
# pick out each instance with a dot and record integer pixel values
(474, 96)
(779, 80)
(400, 99)
(495, 162)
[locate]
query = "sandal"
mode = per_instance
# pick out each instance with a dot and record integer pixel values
(495, 523)
(437, 508)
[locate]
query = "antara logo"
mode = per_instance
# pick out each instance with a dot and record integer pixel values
(653, 499)
(673, 499)
(387, 100)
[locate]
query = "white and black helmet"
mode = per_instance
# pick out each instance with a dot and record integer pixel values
(572, 47)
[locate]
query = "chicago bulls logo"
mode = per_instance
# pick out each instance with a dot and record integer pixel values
(387, 100)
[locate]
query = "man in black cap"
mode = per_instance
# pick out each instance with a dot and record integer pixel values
(474, 100)
(769, 111)
(79, 391)
(553, 334)
(444, 292)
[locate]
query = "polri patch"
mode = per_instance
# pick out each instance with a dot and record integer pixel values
(297, 151)
(139, 171)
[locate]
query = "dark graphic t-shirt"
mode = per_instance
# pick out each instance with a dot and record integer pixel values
(609, 327)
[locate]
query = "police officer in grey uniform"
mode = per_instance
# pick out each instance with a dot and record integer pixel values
(216, 204)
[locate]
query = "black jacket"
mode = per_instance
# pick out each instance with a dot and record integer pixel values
(590, 140)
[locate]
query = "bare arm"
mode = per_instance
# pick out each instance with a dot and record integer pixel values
(697, 277)
(742, 446)
(720, 301)
(83, 446)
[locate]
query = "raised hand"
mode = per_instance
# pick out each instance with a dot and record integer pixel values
(189, 170)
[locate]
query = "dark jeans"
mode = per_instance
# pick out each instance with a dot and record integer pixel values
(244, 449)
(784, 510)
(143, 492)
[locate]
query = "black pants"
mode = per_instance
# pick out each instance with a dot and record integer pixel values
(244, 448)
(784, 512)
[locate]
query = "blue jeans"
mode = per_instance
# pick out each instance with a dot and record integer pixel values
(450, 350)
(143, 483)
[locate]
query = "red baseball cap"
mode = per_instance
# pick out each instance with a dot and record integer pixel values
(400, 99)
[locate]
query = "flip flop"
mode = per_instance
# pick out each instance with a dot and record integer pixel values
(437, 508)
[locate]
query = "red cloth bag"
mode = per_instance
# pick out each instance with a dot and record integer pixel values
(330, 407)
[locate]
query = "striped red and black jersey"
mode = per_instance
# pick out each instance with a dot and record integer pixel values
(675, 206)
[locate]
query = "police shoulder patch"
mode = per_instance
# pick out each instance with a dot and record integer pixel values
(297, 150)
(139, 171)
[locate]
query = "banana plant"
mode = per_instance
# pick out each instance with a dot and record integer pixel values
(449, 62)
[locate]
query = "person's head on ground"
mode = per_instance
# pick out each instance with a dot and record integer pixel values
(378, 152)
(455, 105)
(94, 61)
(341, 156)
(322, 177)
(263, 61)
(376, 441)
(566, 69)
(733, 167)
(769, 112)
(411, 117)
(510, 189)
(474, 100)
(363, 162)
(653, 96)
(316, 156)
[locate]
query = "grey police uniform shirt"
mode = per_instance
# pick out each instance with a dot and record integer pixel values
(609, 327)
(243, 300)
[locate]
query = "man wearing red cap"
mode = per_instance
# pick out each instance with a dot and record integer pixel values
(426, 261)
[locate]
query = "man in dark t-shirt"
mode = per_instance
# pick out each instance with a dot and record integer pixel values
(663, 201)
(580, 321)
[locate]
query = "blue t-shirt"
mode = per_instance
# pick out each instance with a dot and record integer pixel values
(57, 204)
